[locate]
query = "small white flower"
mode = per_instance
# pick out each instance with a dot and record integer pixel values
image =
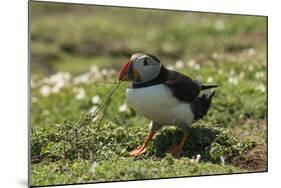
(259, 75)
(67, 75)
(104, 72)
(261, 88)
(179, 64)
(58, 86)
(222, 160)
(241, 75)
(196, 160)
(95, 119)
(60, 77)
(123, 108)
(95, 99)
(55, 89)
(210, 79)
(46, 112)
(46, 81)
(94, 69)
(93, 109)
(232, 72)
(219, 25)
(45, 90)
(233, 80)
(83, 78)
(93, 167)
(81, 94)
(191, 63)
(251, 68)
(197, 66)
(251, 51)
(34, 99)
(215, 55)
(198, 157)
(220, 71)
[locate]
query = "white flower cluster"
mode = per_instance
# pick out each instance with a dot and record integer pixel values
(259, 75)
(123, 108)
(55, 83)
(80, 93)
(192, 64)
(93, 167)
(95, 101)
(233, 79)
(94, 75)
(261, 88)
(180, 64)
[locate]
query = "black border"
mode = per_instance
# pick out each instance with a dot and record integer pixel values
(118, 6)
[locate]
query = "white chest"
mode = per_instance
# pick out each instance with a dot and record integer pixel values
(157, 103)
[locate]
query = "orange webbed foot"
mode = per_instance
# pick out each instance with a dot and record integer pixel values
(142, 149)
(175, 150)
(138, 151)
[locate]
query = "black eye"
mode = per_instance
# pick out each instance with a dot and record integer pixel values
(145, 63)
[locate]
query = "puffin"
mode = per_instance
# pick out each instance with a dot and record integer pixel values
(166, 97)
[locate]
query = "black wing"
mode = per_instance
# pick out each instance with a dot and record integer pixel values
(183, 87)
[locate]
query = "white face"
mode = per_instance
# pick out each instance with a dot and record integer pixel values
(146, 67)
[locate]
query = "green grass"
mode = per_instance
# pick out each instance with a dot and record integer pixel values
(83, 151)
(67, 143)
(82, 171)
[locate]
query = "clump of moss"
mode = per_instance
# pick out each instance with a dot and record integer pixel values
(86, 139)
(83, 139)
(211, 142)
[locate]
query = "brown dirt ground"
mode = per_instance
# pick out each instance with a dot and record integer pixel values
(253, 160)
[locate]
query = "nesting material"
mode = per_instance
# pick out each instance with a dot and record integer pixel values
(102, 107)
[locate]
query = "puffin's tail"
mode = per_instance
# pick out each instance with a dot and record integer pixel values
(203, 104)
(204, 87)
(199, 81)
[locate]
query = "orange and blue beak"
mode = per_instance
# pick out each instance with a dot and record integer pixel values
(127, 73)
(123, 75)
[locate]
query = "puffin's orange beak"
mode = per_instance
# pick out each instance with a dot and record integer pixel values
(123, 75)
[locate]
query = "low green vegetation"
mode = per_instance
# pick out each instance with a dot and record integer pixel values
(85, 151)
(76, 53)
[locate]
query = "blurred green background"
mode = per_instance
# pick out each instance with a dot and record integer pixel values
(74, 37)
(76, 53)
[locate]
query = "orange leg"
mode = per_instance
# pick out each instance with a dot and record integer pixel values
(142, 149)
(176, 149)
